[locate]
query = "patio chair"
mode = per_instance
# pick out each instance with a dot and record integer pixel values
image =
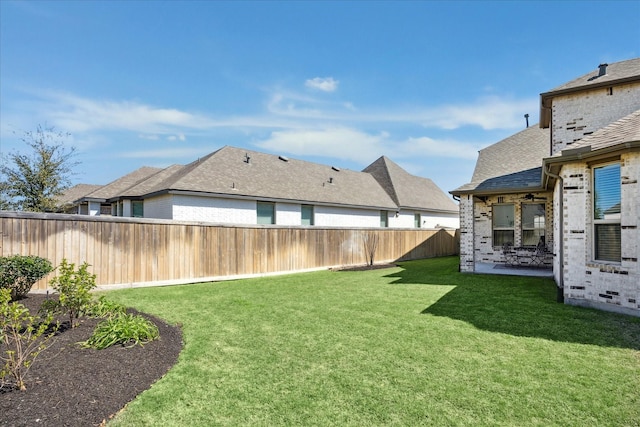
(510, 255)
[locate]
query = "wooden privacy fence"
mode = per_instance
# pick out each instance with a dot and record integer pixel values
(140, 252)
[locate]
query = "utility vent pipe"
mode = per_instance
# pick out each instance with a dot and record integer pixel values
(602, 69)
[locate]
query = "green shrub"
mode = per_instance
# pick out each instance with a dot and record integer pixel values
(18, 273)
(22, 338)
(125, 329)
(104, 307)
(74, 290)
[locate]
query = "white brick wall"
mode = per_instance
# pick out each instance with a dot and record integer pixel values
(331, 216)
(406, 219)
(577, 115)
(605, 285)
(159, 207)
(288, 214)
(209, 209)
(467, 230)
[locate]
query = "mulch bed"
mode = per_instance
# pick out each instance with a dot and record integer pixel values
(71, 386)
(364, 267)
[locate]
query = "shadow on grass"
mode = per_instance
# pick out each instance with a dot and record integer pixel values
(520, 306)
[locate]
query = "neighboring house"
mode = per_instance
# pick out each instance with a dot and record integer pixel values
(99, 201)
(572, 183)
(237, 186)
(66, 202)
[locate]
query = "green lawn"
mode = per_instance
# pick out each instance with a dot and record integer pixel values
(419, 344)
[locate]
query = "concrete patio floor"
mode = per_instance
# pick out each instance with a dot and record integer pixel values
(489, 268)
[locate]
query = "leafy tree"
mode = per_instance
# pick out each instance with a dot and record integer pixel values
(33, 182)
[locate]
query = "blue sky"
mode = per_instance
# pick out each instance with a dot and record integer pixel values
(426, 84)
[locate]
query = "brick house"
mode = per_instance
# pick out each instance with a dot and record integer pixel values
(570, 183)
(237, 186)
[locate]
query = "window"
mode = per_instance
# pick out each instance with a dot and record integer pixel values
(533, 223)
(606, 212)
(307, 215)
(384, 219)
(266, 213)
(137, 209)
(416, 220)
(503, 217)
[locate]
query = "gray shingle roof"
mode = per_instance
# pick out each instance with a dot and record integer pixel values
(143, 187)
(511, 164)
(76, 192)
(267, 176)
(409, 191)
(615, 73)
(115, 188)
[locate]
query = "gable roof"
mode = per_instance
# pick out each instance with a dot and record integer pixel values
(114, 188)
(513, 163)
(251, 174)
(75, 193)
(143, 187)
(409, 191)
(616, 73)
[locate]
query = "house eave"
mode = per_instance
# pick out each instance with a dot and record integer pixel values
(391, 208)
(586, 152)
(546, 97)
(500, 191)
(551, 165)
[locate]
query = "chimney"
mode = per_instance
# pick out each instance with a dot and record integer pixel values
(602, 69)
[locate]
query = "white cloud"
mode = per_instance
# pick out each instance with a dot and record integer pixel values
(355, 145)
(324, 84)
(340, 143)
(179, 137)
(78, 114)
(165, 153)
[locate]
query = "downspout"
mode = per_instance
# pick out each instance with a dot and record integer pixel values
(560, 288)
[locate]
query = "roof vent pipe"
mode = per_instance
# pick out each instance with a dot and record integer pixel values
(602, 69)
(526, 117)
(247, 158)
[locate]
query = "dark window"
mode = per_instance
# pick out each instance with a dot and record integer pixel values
(416, 220)
(606, 212)
(533, 223)
(137, 209)
(384, 219)
(266, 213)
(307, 215)
(503, 224)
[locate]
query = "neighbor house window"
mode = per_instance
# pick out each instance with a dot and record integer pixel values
(307, 215)
(384, 219)
(416, 220)
(266, 213)
(533, 225)
(503, 224)
(606, 212)
(137, 209)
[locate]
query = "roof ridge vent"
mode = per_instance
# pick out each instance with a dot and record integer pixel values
(283, 158)
(335, 168)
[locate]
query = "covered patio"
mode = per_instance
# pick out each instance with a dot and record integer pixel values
(491, 268)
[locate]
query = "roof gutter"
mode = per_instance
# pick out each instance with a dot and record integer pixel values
(560, 284)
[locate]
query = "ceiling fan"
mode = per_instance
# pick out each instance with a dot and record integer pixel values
(530, 196)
